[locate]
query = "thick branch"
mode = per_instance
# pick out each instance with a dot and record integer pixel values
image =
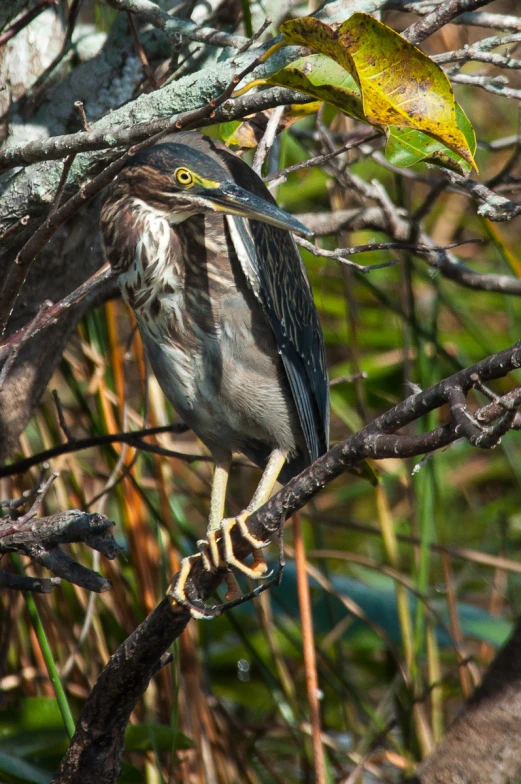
(444, 14)
(115, 136)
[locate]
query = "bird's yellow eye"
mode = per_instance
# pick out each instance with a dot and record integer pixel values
(184, 177)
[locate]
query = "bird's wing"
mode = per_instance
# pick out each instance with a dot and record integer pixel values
(276, 273)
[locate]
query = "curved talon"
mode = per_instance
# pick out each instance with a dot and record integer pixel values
(177, 590)
(177, 595)
(259, 567)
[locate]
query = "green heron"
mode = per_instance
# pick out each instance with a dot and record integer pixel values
(207, 263)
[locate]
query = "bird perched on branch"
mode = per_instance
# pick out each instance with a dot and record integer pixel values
(225, 310)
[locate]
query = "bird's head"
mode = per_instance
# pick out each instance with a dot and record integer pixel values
(188, 174)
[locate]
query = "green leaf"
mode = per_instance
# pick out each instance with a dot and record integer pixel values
(228, 130)
(405, 147)
(325, 79)
(400, 85)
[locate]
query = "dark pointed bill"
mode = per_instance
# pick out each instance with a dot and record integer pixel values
(233, 200)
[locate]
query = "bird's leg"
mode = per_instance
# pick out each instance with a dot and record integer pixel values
(208, 547)
(261, 495)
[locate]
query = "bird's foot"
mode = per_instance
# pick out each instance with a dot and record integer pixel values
(209, 549)
(177, 592)
(210, 558)
(259, 567)
(178, 595)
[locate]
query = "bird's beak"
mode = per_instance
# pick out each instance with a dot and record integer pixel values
(232, 200)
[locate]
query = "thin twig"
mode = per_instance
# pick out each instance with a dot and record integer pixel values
(61, 416)
(61, 185)
(266, 143)
(255, 37)
(23, 221)
(50, 315)
(318, 160)
(339, 255)
(141, 52)
(78, 444)
(80, 107)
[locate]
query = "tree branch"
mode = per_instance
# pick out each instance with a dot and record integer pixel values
(441, 16)
(39, 539)
(134, 438)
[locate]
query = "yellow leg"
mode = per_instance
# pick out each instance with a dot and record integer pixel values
(208, 548)
(261, 495)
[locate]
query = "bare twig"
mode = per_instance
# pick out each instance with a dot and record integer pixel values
(441, 260)
(266, 143)
(318, 160)
(61, 185)
(21, 582)
(255, 37)
(50, 314)
(340, 255)
(498, 85)
(77, 444)
(23, 221)
(80, 107)
(492, 206)
(61, 416)
(141, 53)
(39, 539)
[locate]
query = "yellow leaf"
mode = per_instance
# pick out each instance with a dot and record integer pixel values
(399, 84)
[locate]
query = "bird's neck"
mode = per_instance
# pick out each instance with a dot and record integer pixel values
(136, 235)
